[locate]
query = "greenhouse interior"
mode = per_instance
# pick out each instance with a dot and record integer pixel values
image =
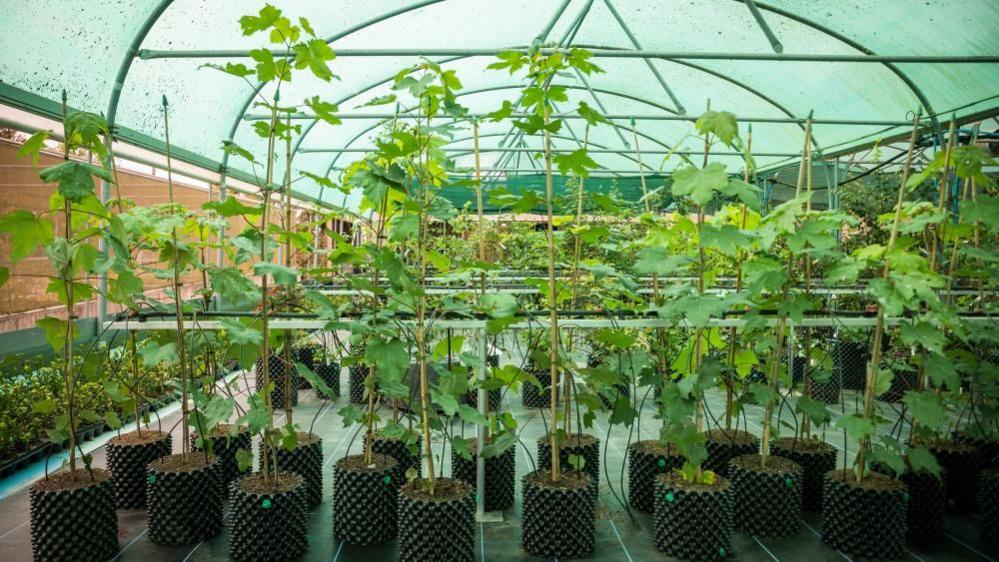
(499, 280)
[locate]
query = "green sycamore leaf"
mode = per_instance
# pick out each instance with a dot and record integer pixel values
(27, 233)
(323, 110)
(591, 116)
(244, 460)
(238, 69)
(722, 124)
(926, 408)
(857, 426)
(471, 415)
(268, 16)
(726, 238)
(941, 371)
(889, 458)
(379, 100)
(504, 112)
(153, 354)
(577, 162)
(498, 305)
(814, 409)
(461, 448)
(33, 146)
(314, 54)
(699, 184)
(55, 331)
(658, 260)
(317, 382)
(231, 284)
(112, 420)
(124, 287)
(281, 274)
(922, 460)
(75, 179)
(232, 207)
(233, 149)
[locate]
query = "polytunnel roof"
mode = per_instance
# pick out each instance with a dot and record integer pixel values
(118, 57)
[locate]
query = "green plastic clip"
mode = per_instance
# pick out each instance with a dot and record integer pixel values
(387, 479)
(151, 478)
(789, 482)
(661, 462)
(722, 552)
(670, 497)
(266, 504)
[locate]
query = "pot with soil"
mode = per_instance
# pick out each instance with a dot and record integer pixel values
(582, 445)
(365, 499)
(73, 516)
(815, 458)
(184, 499)
(766, 498)
(559, 519)
(988, 504)
(407, 455)
(926, 503)
(533, 397)
(986, 449)
(226, 441)
(723, 446)
(850, 364)
(438, 526)
(278, 375)
(268, 519)
(693, 521)
(867, 518)
(330, 374)
(647, 460)
(306, 460)
(127, 457)
(960, 466)
(500, 471)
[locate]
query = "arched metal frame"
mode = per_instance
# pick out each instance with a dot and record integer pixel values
(164, 4)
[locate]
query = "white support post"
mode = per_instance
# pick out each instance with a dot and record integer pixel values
(480, 461)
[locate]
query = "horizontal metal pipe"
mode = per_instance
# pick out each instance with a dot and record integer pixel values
(616, 117)
(366, 150)
(147, 54)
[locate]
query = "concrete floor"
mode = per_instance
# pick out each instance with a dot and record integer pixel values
(620, 536)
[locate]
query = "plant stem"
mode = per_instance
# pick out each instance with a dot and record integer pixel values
(739, 257)
(879, 326)
(421, 307)
(265, 347)
(552, 314)
(289, 363)
(67, 279)
(178, 300)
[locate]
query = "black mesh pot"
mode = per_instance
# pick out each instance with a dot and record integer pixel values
(493, 398)
(399, 450)
(850, 364)
(959, 462)
(723, 446)
(128, 455)
(533, 397)
(927, 503)
(586, 446)
(646, 460)
(815, 458)
(183, 500)
(365, 499)
(798, 373)
(277, 372)
(609, 396)
(693, 522)
(500, 471)
(766, 500)
(440, 527)
(356, 383)
(306, 460)
(986, 450)
(330, 374)
(74, 518)
(827, 392)
(306, 355)
(559, 519)
(902, 382)
(268, 524)
(225, 446)
(988, 502)
(867, 519)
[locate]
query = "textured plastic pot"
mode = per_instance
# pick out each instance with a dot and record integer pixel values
(583, 445)
(268, 522)
(559, 519)
(988, 502)
(493, 398)
(365, 499)
(815, 458)
(225, 445)
(500, 472)
(903, 381)
(306, 460)
(647, 460)
(73, 517)
(723, 446)
(986, 450)
(960, 464)
(277, 373)
(693, 521)
(330, 374)
(183, 500)
(925, 506)
(399, 450)
(356, 383)
(827, 392)
(865, 519)
(766, 499)
(533, 397)
(850, 363)
(127, 457)
(439, 527)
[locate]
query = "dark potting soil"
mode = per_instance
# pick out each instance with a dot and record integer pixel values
(133, 438)
(281, 484)
(67, 480)
(446, 490)
(176, 463)
(355, 463)
(570, 480)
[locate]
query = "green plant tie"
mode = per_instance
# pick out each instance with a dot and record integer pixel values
(661, 462)
(151, 479)
(722, 552)
(789, 482)
(266, 504)
(670, 497)
(387, 479)
(905, 496)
